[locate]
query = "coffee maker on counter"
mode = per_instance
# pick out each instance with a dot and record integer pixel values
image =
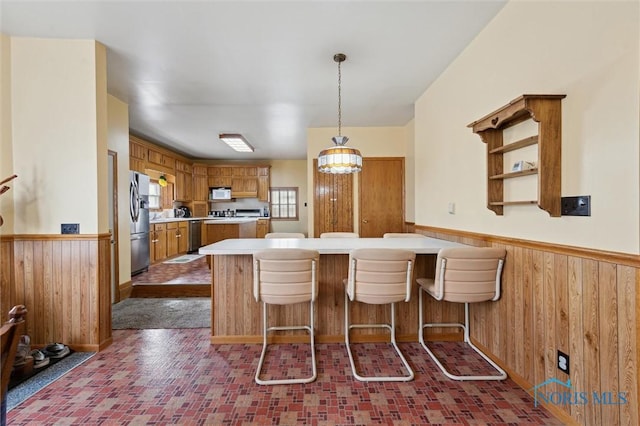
(183, 211)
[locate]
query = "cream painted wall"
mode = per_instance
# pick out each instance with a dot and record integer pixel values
(371, 141)
(586, 50)
(6, 150)
(102, 133)
(409, 173)
(59, 112)
(291, 173)
(118, 137)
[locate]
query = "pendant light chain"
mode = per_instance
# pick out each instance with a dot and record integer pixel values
(339, 99)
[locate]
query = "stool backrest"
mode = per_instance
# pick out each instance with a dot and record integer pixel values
(402, 235)
(339, 235)
(282, 276)
(380, 276)
(284, 235)
(469, 274)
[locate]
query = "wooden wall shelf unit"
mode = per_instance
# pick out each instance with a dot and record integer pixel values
(547, 112)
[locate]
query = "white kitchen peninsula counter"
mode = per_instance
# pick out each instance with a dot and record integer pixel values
(236, 316)
(326, 245)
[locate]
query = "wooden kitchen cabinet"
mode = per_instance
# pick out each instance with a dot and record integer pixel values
(158, 158)
(183, 189)
(219, 176)
(262, 227)
(244, 182)
(263, 183)
(200, 183)
(183, 236)
(137, 156)
(166, 196)
(158, 242)
(222, 231)
(177, 237)
(172, 238)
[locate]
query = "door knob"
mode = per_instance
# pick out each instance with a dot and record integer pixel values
(365, 221)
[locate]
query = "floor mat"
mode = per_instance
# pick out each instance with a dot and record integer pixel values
(185, 258)
(146, 313)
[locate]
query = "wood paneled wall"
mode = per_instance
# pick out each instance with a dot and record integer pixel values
(583, 302)
(64, 281)
(237, 317)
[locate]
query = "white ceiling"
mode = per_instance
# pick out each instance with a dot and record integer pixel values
(190, 70)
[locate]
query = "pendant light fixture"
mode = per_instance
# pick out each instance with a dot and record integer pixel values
(339, 159)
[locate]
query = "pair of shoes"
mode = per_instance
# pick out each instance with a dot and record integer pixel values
(23, 362)
(39, 359)
(56, 350)
(23, 353)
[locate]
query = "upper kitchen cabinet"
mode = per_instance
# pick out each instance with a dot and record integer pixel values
(219, 176)
(160, 161)
(263, 183)
(200, 183)
(183, 189)
(244, 182)
(137, 155)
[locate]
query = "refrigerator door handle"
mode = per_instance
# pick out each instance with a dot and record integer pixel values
(134, 201)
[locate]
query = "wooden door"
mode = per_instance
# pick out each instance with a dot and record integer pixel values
(333, 202)
(381, 199)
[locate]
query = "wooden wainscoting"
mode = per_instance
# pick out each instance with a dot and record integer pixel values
(237, 317)
(583, 302)
(64, 281)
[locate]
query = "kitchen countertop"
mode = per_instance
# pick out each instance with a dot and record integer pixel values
(209, 220)
(229, 220)
(173, 219)
(326, 245)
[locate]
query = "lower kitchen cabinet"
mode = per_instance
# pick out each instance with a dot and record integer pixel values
(183, 236)
(212, 233)
(223, 231)
(172, 239)
(262, 227)
(168, 239)
(158, 242)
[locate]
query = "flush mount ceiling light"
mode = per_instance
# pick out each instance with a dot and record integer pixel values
(236, 141)
(339, 159)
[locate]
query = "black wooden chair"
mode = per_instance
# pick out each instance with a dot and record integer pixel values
(11, 332)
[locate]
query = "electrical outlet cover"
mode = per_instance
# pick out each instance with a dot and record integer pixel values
(563, 362)
(576, 206)
(70, 228)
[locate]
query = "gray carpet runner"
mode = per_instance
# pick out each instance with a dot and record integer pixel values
(146, 313)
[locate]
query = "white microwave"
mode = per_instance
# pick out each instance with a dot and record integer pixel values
(220, 193)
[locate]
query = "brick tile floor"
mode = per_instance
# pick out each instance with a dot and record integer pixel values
(196, 272)
(177, 377)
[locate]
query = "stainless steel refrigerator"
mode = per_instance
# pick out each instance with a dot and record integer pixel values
(139, 219)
